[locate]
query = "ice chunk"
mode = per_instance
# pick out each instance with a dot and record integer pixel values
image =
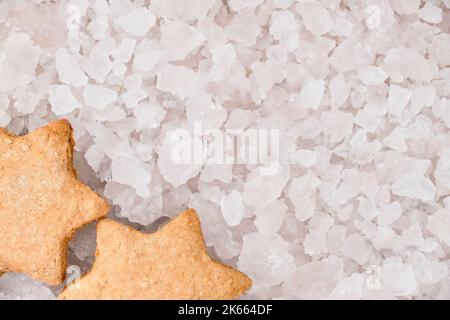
(266, 259)
(339, 91)
(131, 172)
(311, 94)
(178, 80)
(124, 51)
(440, 110)
(410, 63)
(62, 100)
(137, 22)
(147, 56)
(316, 240)
(372, 75)
(398, 99)
(405, 6)
(422, 97)
(305, 158)
(414, 186)
(94, 157)
(302, 193)
(19, 58)
(283, 25)
(232, 208)
(98, 65)
(349, 288)
(98, 97)
(315, 17)
(243, 28)
(389, 213)
(442, 172)
(178, 39)
(356, 247)
(396, 140)
(428, 271)
(148, 116)
(269, 219)
(439, 224)
(238, 5)
(172, 171)
(68, 68)
(98, 27)
(430, 13)
(223, 57)
(17, 286)
(261, 190)
(398, 276)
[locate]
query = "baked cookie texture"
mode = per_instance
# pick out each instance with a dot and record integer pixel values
(171, 263)
(42, 203)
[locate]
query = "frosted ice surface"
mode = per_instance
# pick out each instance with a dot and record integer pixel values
(137, 22)
(266, 259)
(98, 65)
(19, 58)
(430, 13)
(98, 27)
(62, 99)
(269, 219)
(232, 208)
(406, 6)
(316, 18)
(398, 276)
(243, 28)
(372, 75)
(349, 288)
(311, 94)
(357, 248)
(410, 63)
(68, 68)
(305, 157)
(438, 224)
(357, 206)
(302, 193)
(238, 5)
(131, 172)
(15, 286)
(124, 51)
(398, 99)
(262, 190)
(98, 97)
(178, 39)
(415, 187)
(148, 116)
(178, 80)
(147, 56)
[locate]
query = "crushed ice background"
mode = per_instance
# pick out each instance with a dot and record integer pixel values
(359, 90)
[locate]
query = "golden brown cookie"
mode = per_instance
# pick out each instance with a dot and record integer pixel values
(171, 263)
(42, 203)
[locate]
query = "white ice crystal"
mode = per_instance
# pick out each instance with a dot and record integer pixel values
(355, 204)
(68, 68)
(62, 99)
(232, 208)
(17, 286)
(98, 97)
(178, 39)
(311, 94)
(137, 22)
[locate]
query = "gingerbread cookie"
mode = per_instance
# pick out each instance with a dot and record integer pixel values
(42, 203)
(171, 263)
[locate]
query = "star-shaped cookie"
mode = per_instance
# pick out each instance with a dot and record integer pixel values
(171, 263)
(42, 203)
